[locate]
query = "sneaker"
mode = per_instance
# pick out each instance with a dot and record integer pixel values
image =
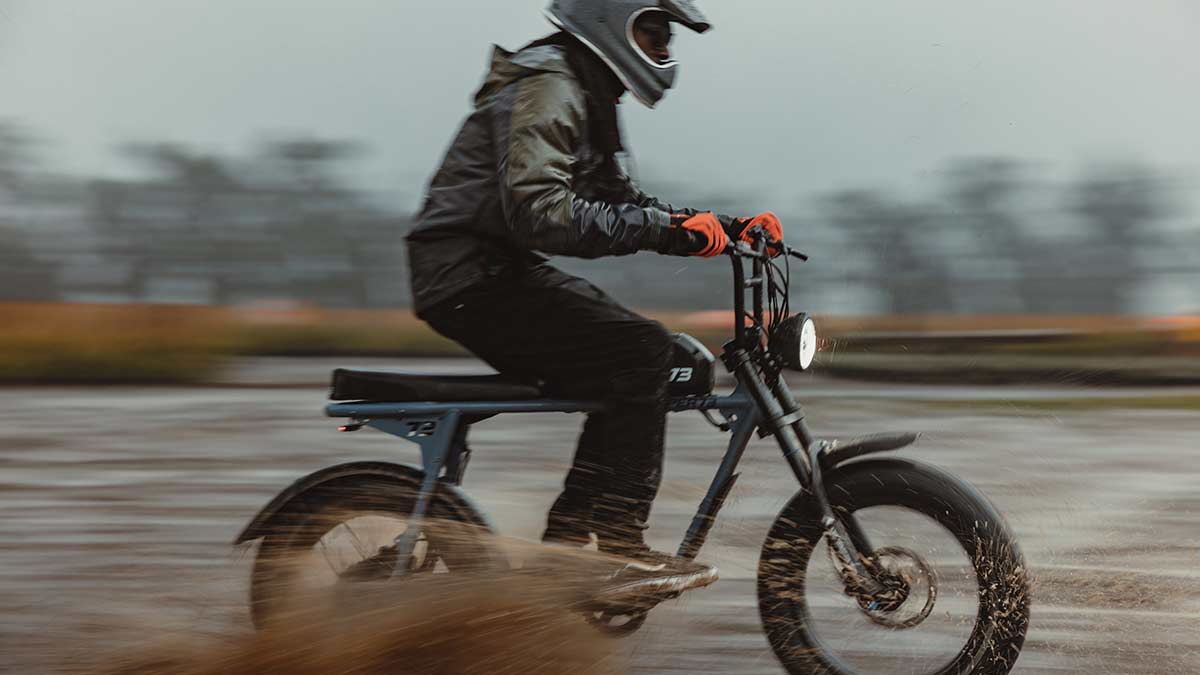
(650, 577)
(636, 577)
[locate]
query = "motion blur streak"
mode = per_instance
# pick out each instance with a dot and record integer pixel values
(467, 628)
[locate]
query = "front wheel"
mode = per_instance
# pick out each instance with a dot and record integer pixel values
(958, 598)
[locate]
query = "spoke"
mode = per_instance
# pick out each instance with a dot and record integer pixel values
(325, 553)
(358, 545)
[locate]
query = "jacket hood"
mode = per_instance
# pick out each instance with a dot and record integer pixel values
(508, 67)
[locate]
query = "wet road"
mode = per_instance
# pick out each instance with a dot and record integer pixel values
(117, 507)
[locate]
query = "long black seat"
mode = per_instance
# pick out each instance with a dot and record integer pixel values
(363, 385)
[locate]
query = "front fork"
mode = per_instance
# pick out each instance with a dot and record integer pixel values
(784, 419)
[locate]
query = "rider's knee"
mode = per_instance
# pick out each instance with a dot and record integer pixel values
(657, 346)
(651, 350)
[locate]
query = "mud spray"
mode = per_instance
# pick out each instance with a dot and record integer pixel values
(457, 626)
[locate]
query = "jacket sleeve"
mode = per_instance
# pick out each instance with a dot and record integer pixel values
(537, 126)
(636, 196)
(642, 199)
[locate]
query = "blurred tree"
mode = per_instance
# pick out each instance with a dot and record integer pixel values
(901, 266)
(16, 156)
(983, 194)
(123, 239)
(194, 233)
(1118, 202)
(199, 180)
(325, 229)
(22, 275)
(309, 165)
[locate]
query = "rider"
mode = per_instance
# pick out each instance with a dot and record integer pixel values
(534, 168)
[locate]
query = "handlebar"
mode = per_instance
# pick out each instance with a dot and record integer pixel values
(761, 249)
(740, 249)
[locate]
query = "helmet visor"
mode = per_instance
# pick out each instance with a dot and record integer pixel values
(686, 13)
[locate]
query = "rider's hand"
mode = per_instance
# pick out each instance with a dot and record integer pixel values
(699, 235)
(740, 228)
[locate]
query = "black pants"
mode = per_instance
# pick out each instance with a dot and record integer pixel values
(550, 326)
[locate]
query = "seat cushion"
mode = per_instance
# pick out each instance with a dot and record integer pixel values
(363, 385)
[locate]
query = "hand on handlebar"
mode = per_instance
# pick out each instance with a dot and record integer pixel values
(702, 235)
(741, 228)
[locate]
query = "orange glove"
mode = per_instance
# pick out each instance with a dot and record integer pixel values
(740, 228)
(707, 230)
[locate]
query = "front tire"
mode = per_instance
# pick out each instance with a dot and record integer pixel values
(1001, 580)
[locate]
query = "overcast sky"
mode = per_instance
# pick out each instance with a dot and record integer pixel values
(784, 98)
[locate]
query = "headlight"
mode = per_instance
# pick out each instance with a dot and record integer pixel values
(795, 341)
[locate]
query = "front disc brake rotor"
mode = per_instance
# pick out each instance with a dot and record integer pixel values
(907, 580)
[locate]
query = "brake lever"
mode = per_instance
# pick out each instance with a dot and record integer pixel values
(778, 246)
(787, 250)
(743, 249)
(739, 248)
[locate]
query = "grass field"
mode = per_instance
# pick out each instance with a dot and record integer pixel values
(59, 342)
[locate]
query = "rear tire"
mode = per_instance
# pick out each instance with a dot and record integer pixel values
(454, 535)
(1002, 581)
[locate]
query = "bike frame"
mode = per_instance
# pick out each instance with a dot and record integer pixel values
(440, 431)
(761, 401)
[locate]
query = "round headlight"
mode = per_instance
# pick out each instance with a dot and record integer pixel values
(808, 342)
(795, 342)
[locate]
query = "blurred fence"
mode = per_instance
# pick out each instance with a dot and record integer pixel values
(280, 224)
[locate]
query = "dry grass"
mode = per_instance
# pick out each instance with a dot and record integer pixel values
(335, 332)
(61, 343)
(49, 342)
(109, 343)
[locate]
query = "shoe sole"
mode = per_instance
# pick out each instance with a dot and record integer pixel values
(655, 590)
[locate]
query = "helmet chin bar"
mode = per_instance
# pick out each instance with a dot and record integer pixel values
(604, 57)
(669, 65)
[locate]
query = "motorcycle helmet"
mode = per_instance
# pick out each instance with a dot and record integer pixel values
(607, 28)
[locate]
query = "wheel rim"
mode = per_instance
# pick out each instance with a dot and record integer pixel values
(295, 572)
(360, 547)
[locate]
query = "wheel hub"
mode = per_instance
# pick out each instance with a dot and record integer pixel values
(909, 589)
(374, 568)
(906, 587)
(891, 598)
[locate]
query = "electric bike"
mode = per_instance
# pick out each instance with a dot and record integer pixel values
(900, 537)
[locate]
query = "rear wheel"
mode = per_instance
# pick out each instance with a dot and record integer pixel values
(343, 532)
(956, 598)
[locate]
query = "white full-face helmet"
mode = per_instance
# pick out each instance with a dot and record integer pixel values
(607, 27)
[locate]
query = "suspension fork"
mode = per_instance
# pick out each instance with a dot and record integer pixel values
(784, 419)
(860, 544)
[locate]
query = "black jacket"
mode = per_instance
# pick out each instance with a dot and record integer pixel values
(522, 176)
